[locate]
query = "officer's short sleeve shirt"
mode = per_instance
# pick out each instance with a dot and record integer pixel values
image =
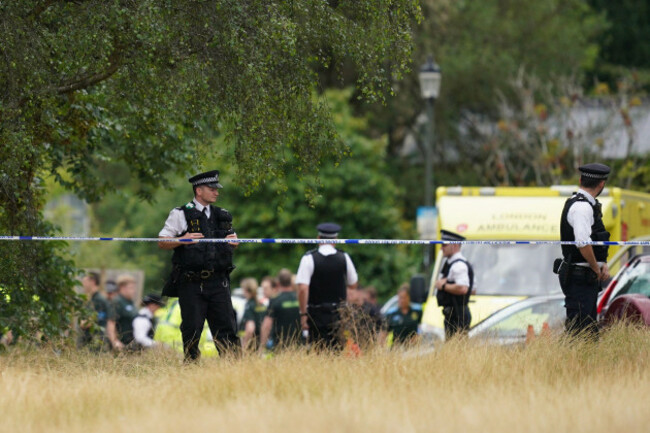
(581, 218)
(306, 267)
(176, 223)
(458, 272)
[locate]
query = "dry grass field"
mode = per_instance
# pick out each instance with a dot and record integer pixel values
(548, 386)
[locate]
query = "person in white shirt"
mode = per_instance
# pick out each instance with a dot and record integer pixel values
(323, 279)
(144, 324)
(200, 276)
(584, 266)
(454, 287)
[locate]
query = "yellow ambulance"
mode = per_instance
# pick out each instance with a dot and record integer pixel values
(505, 274)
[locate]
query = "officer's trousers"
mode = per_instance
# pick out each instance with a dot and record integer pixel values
(208, 300)
(323, 328)
(580, 287)
(457, 320)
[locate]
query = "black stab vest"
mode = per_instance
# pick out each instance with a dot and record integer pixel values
(327, 285)
(571, 253)
(446, 299)
(208, 256)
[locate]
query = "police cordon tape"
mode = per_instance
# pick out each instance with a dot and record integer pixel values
(325, 241)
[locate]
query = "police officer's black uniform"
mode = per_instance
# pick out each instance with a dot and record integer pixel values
(578, 281)
(201, 275)
(455, 308)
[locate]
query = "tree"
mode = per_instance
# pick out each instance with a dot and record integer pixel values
(87, 87)
(543, 136)
(623, 49)
(481, 46)
(357, 193)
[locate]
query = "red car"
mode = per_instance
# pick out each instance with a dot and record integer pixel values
(628, 294)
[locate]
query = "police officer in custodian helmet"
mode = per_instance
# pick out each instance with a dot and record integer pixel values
(201, 270)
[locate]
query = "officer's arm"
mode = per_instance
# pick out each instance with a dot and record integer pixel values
(580, 217)
(170, 245)
(111, 333)
(267, 323)
(455, 289)
(588, 253)
(440, 282)
(249, 333)
(303, 294)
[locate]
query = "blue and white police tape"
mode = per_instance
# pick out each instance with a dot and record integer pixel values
(327, 241)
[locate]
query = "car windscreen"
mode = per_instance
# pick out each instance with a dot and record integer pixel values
(635, 279)
(517, 270)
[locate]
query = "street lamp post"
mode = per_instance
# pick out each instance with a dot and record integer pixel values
(430, 78)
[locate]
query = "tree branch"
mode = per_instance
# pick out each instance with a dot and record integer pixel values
(90, 80)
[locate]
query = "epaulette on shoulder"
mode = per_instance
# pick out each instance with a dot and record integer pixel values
(415, 306)
(581, 197)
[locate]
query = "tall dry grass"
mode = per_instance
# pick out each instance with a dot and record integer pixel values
(549, 386)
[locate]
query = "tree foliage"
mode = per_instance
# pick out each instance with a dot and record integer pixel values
(543, 136)
(624, 42)
(357, 193)
(88, 87)
(480, 47)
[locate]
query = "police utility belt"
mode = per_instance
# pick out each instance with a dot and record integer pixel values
(325, 306)
(562, 266)
(203, 275)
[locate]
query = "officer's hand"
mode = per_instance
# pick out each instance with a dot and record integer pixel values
(232, 236)
(191, 236)
(596, 271)
(440, 283)
(604, 272)
(118, 345)
(303, 322)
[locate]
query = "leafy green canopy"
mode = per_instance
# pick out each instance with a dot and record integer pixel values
(358, 194)
(86, 85)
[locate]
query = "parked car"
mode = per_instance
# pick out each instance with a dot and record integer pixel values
(628, 294)
(509, 325)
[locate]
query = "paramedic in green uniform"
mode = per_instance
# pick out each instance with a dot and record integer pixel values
(282, 321)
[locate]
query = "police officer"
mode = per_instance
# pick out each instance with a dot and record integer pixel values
(144, 324)
(454, 286)
(200, 275)
(584, 266)
(323, 277)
